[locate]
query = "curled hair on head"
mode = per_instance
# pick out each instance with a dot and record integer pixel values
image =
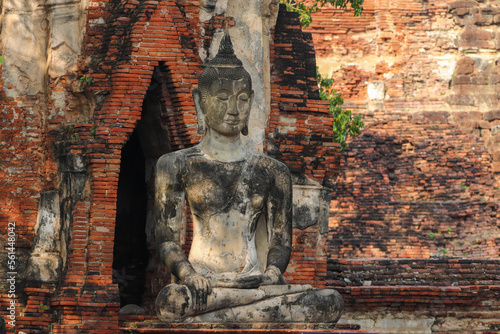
(225, 57)
(207, 77)
(210, 74)
(224, 65)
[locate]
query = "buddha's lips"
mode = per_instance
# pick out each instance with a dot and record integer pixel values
(233, 121)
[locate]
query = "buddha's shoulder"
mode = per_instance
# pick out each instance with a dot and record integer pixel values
(271, 163)
(178, 158)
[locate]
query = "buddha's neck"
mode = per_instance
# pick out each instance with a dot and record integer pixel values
(223, 148)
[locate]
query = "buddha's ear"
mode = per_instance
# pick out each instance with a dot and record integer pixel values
(244, 131)
(197, 97)
(251, 98)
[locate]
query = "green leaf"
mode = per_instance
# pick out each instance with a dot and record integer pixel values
(305, 10)
(345, 125)
(1, 59)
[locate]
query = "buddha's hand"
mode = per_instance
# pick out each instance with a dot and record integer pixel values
(247, 282)
(270, 277)
(273, 276)
(200, 288)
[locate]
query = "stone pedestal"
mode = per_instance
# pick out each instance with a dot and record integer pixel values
(152, 326)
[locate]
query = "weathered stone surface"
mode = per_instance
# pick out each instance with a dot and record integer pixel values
(29, 57)
(175, 302)
(24, 49)
(482, 20)
(228, 188)
(462, 100)
(495, 129)
(250, 328)
(132, 309)
(396, 323)
(251, 33)
(393, 303)
(376, 90)
(430, 117)
(396, 272)
(45, 262)
(128, 46)
(314, 306)
(286, 303)
(461, 116)
(464, 66)
(491, 115)
(310, 206)
(461, 11)
(462, 4)
(434, 193)
(447, 63)
(473, 34)
(44, 267)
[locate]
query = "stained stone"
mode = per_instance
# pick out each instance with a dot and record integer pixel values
(241, 205)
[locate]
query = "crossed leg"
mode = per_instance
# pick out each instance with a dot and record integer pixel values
(275, 303)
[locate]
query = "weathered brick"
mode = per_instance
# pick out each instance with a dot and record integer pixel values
(465, 66)
(492, 115)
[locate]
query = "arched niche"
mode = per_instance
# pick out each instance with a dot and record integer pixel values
(135, 265)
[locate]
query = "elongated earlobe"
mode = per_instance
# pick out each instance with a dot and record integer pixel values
(244, 131)
(199, 111)
(201, 127)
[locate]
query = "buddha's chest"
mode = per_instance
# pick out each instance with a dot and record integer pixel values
(222, 187)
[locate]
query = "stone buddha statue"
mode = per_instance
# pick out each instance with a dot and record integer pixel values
(228, 188)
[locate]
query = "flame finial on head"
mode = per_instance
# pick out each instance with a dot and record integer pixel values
(225, 57)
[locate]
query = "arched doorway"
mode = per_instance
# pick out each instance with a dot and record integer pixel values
(135, 266)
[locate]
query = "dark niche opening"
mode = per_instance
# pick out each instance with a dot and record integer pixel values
(136, 267)
(130, 250)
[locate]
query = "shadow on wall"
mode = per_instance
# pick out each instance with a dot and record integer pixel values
(413, 189)
(130, 251)
(134, 252)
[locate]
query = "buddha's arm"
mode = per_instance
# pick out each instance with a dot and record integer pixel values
(169, 209)
(280, 219)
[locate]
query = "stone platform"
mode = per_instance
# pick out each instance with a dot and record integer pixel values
(146, 325)
(241, 331)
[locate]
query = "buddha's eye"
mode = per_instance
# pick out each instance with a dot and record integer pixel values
(222, 96)
(243, 97)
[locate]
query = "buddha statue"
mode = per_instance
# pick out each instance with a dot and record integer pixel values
(228, 188)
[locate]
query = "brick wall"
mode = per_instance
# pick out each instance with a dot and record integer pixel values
(414, 228)
(76, 148)
(27, 167)
(422, 180)
(444, 295)
(295, 111)
(415, 188)
(436, 272)
(411, 56)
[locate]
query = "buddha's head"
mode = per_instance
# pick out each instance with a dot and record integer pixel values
(224, 95)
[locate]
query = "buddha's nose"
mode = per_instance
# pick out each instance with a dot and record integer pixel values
(233, 106)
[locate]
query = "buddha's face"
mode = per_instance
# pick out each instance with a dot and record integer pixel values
(227, 104)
